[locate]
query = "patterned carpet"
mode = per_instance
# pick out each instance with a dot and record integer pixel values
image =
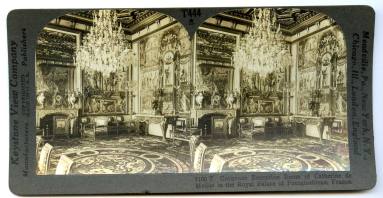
(122, 155)
(276, 160)
(149, 154)
(293, 154)
(123, 161)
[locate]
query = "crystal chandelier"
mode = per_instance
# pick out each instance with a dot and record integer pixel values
(263, 50)
(105, 48)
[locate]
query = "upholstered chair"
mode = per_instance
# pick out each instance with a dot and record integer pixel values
(199, 158)
(217, 163)
(84, 124)
(64, 165)
(192, 144)
(44, 159)
(39, 143)
(100, 125)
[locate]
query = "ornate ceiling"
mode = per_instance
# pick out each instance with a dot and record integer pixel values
(132, 20)
(292, 20)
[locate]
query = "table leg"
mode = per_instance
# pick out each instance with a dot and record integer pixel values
(165, 128)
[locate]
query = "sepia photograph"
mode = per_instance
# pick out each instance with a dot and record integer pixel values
(130, 91)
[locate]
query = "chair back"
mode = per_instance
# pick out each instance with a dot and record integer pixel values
(192, 144)
(217, 163)
(199, 157)
(64, 165)
(181, 123)
(43, 163)
(101, 121)
(258, 122)
(39, 142)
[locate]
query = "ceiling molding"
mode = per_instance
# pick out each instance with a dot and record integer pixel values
(238, 21)
(146, 22)
(131, 20)
(291, 20)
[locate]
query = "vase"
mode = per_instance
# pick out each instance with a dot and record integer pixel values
(199, 99)
(230, 101)
(72, 100)
(41, 99)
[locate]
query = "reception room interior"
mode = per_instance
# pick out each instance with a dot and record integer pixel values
(132, 91)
